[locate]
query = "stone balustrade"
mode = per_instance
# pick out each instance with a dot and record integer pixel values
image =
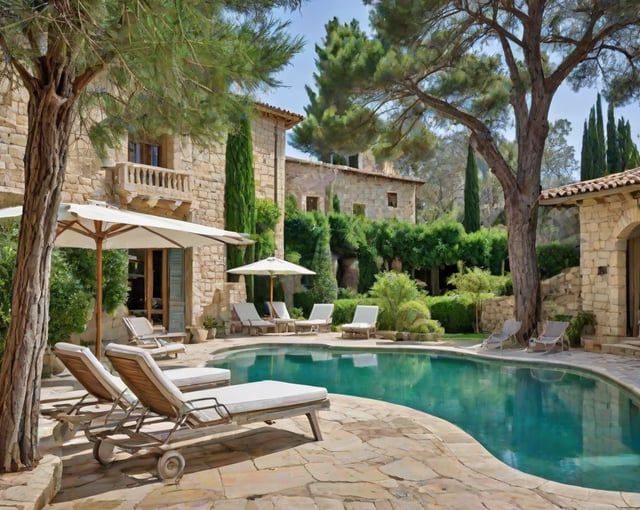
(134, 179)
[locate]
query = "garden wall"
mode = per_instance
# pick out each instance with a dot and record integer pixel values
(560, 296)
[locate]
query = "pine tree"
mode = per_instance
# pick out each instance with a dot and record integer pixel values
(240, 194)
(614, 165)
(471, 220)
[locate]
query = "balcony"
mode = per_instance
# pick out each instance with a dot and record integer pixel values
(151, 183)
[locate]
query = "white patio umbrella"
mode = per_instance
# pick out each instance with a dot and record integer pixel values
(99, 227)
(272, 267)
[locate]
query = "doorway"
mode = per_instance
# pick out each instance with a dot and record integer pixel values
(633, 282)
(156, 287)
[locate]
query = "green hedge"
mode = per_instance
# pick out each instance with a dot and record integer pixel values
(554, 257)
(456, 314)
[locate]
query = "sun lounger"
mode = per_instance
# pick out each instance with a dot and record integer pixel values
(106, 393)
(280, 315)
(319, 319)
(143, 335)
(509, 328)
(552, 335)
(206, 409)
(250, 319)
(364, 321)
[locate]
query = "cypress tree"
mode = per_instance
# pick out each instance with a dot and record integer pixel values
(471, 220)
(629, 157)
(240, 195)
(614, 164)
(595, 169)
(586, 161)
(601, 154)
(634, 156)
(325, 286)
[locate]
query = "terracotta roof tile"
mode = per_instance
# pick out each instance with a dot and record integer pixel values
(600, 184)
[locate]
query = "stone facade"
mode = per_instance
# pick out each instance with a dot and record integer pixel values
(377, 194)
(200, 198)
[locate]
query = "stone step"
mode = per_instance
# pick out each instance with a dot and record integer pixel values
(622, 349)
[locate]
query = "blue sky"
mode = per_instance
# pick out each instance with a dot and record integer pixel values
(309, 22)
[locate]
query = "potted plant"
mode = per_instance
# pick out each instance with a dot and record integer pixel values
(211, 324)
(198, 334)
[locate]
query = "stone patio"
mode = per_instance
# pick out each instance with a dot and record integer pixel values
(374, 456)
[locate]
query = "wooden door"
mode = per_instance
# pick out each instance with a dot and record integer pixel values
(633, 285)
(176, 293)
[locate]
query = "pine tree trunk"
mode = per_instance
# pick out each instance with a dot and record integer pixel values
(50, 119)
(522, 238)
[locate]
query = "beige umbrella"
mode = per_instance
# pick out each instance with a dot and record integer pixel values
(271, 267)
(99, 227)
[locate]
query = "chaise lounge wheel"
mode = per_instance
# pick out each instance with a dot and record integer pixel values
(63, 431)
(103, 452)
(171, 465)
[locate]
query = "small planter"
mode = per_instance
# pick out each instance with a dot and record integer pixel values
(51, 365)
(211, 333)
(199, 335)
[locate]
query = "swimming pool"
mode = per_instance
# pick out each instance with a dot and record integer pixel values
(566, 426)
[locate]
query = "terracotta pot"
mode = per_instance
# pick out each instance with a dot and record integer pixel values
(199, 335)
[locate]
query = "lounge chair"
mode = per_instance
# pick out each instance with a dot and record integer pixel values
(213, 409)
(552, 335)
(143, 335)
(106, 393)
(497, 339)
(280, 315)
(250, 319)
(319, 319)
(364, 321)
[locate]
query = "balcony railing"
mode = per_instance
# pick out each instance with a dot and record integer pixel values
(134, 179)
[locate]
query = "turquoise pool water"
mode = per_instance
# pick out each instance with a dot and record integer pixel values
(562, 426)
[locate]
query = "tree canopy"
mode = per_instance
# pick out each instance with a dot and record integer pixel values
(486, 66)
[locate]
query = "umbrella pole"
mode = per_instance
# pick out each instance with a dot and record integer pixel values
(98, 298)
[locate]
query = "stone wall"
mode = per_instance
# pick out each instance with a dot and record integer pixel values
(605, 225)
(352, 186)
(560, 296)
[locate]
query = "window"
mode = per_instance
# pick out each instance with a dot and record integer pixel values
(392, 199)
(312, 203)
(359, 209)
(146, 152)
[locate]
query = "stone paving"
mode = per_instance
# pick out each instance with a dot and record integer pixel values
(374, 456)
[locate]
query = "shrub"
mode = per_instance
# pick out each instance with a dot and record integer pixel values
(477, 283)
(554, 257)
(70, 303)
(581, 323)
(414, 317)
(456, 313)
(343, 310)
(390, 291)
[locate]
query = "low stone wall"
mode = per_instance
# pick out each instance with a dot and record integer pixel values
(560, 296)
